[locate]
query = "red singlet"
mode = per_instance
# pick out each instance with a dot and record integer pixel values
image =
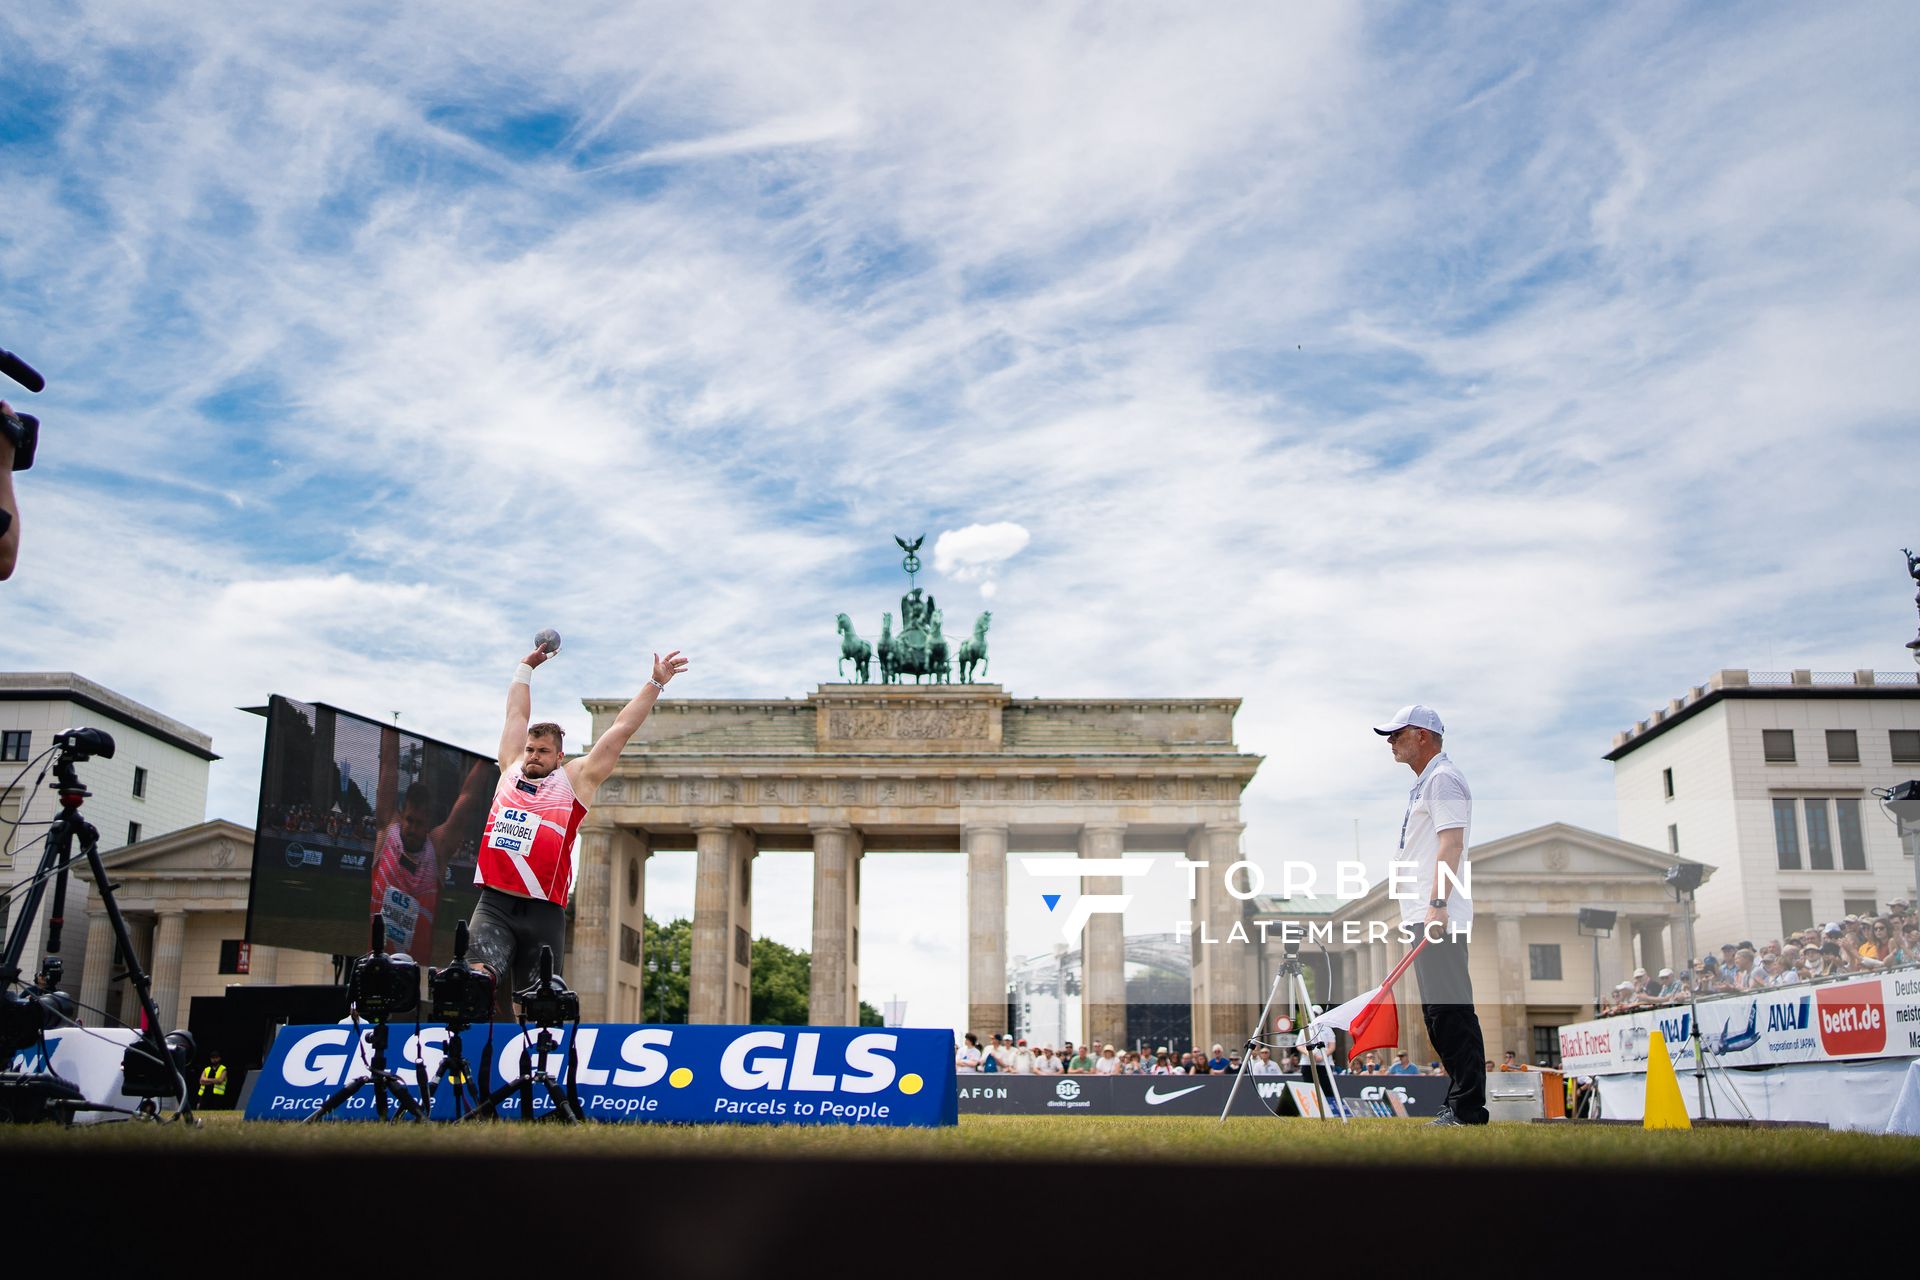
(527, 847)
(406, 899)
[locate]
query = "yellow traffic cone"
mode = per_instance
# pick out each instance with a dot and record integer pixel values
(1665, 1107)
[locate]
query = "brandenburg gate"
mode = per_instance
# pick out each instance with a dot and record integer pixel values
(962, 767)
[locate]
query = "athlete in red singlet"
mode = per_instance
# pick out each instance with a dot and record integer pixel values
(407, 866)
(526, 852)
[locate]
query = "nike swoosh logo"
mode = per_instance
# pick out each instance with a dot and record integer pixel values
(1155, 1098)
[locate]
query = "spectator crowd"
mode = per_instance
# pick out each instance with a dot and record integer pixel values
(1014, 1056)
(1855, 945)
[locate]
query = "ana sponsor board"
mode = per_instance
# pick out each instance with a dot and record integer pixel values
(1854, 1018)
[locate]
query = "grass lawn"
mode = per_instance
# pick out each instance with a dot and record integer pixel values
(999, 1138)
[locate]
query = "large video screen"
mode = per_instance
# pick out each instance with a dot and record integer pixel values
(359, 819)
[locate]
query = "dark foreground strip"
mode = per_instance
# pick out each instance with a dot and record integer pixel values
(258, 1214)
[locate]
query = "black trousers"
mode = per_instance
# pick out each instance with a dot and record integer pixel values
(506, 933)
(1446, 995)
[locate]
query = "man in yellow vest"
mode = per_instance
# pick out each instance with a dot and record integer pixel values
(213, 1082)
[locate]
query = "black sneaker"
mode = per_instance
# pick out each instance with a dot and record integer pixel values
(1447, 1118)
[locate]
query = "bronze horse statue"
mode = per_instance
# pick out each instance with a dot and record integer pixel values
(854, 648)
(974, 652)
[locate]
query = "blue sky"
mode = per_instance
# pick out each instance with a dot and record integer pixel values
(1531, 363)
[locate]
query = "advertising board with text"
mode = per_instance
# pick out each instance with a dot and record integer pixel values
(677, 1073)
(1875, 1016)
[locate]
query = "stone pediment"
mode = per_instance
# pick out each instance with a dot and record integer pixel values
(1561, 849)
(211, 848)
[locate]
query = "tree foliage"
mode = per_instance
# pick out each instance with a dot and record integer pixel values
(782, 979)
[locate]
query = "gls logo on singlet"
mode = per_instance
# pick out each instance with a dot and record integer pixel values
(513, 831)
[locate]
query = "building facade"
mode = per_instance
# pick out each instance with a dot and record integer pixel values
(155, 783)
(1769, 776)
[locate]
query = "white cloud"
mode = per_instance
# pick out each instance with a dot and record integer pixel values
(976, 552)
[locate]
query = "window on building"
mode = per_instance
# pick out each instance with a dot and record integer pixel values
(16, 744)
(742, 946)
(1546, 1046)
(1666, 782)
(1673, 837)
(1853, 851)
(1843, 746)
(139, 783)
(1905, 744)
(133, 833)
(1796, 914)
(1819, 836)
(629, 944)
(1543, 961)
(1859, 907)
(235, 956)
(1786, 835)
(1777, 745)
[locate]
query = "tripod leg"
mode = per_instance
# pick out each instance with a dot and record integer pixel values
(339, 1098)
(1246, 1052)
(404, 1101)
(563, 1106)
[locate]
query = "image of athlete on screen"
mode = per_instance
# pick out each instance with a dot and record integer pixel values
(409, 858)
(525, 871)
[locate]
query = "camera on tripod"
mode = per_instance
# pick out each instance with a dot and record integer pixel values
(82, 745)
(547, 1001)
(461, 994)
(384, 985)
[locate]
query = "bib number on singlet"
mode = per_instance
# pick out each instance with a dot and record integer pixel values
(513, 831)
(401, 912)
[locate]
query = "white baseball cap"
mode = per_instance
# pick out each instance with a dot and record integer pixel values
(1416, 715)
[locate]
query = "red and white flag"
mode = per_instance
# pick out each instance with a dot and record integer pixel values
(1370, 1018)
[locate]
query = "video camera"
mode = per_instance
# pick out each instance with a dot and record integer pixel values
(461, 994)
(22, 429)
(547, 1001)
(384, 985)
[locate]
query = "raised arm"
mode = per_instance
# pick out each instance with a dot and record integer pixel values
(592, 769)
(474, 793)
(513, 738)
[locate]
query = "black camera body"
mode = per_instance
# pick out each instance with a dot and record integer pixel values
(384, 986)
(146, 1075)
(547, 1001)
(461, 995)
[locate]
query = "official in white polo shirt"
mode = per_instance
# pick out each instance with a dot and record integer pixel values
(1434, 833)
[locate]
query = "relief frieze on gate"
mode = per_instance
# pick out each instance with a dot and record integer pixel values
(916, 792)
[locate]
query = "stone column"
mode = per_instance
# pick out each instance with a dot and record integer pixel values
(986, 846)
(1623, 961)
(1229, 1003)
(96, 980)
(169, 942)
(740, 992)
(1677, 955)
(589, 970)
(1511, 991)
(627, 905)
(708, 997)
(1104, 948)
(832, 998)
(1653, 952)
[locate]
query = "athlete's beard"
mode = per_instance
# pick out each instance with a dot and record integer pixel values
(535, 770)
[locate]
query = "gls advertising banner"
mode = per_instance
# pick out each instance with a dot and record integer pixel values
(680, 1074)
(1870, 1017)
